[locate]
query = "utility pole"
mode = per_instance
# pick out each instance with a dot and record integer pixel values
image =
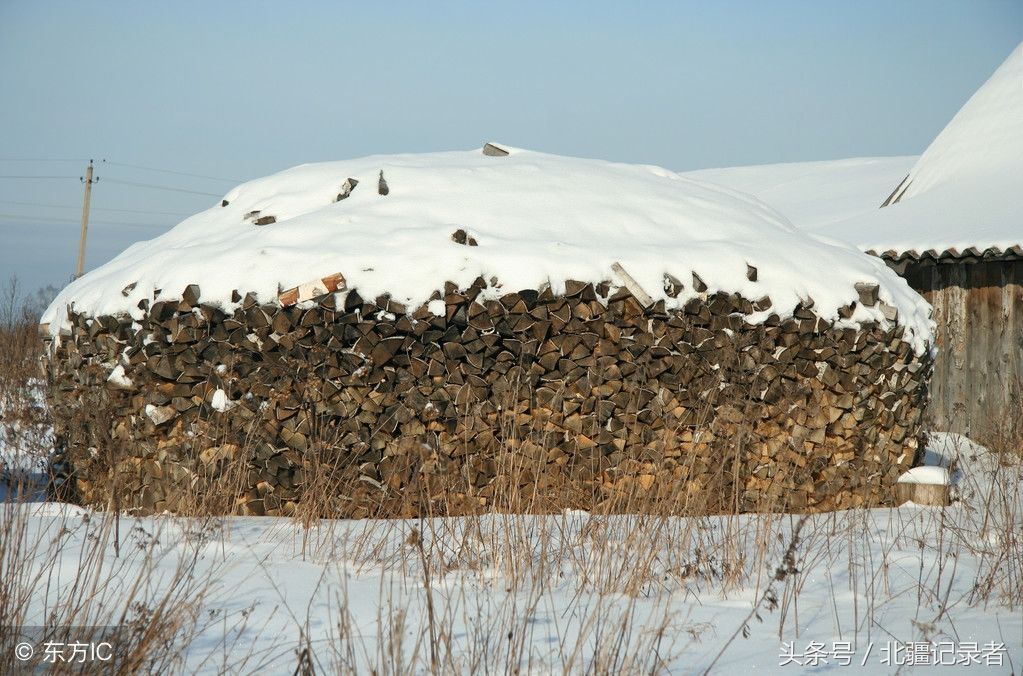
(88, 181)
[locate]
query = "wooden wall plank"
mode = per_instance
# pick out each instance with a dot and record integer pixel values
(977, 387)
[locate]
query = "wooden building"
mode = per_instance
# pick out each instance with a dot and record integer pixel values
(977, 386)
(953, 228)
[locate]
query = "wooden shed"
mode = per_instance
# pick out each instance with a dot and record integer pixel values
(952, 226)
(977, 386)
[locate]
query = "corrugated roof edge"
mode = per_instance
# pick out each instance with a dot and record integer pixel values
(951, 255)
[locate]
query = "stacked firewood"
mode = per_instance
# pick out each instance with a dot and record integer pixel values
(484, 400)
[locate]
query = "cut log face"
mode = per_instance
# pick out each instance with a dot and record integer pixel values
(346, 189)
(933, 495)
(868, 293)
(889, 312)
(461, 237)
(313, 289)
(190, 296)
(520, 400)
(672, 286)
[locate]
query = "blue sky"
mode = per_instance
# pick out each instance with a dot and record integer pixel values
(237, 90)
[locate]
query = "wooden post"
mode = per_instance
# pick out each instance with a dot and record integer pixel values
(85, 220)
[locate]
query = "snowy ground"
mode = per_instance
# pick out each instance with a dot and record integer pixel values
(569, 592)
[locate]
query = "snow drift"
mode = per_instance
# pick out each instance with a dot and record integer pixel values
(536, 219)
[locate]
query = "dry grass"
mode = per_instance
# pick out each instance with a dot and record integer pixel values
(600, 590)
(143, 601)
(49, 580)
(477, 594)
(24, 419)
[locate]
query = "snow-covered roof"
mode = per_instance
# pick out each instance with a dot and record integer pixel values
(964, 196)
(535, 219)
(814, 195)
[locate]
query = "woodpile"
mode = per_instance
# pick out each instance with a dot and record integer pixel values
(529, 400)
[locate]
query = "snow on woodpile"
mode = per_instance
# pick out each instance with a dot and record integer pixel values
(966, 190)
(406, 224)
(404, 323)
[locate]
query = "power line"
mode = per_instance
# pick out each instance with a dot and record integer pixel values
(71, 206)
(29, 218)
(58, 221)
(123, 164)
(12, 176)
(27, 159)
(43, 219)
(159, 187)
(171, 171)
(40, 204)
(115, 180)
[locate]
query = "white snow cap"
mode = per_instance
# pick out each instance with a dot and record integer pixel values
(966, 190)
(536, 219)
(926, 475)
